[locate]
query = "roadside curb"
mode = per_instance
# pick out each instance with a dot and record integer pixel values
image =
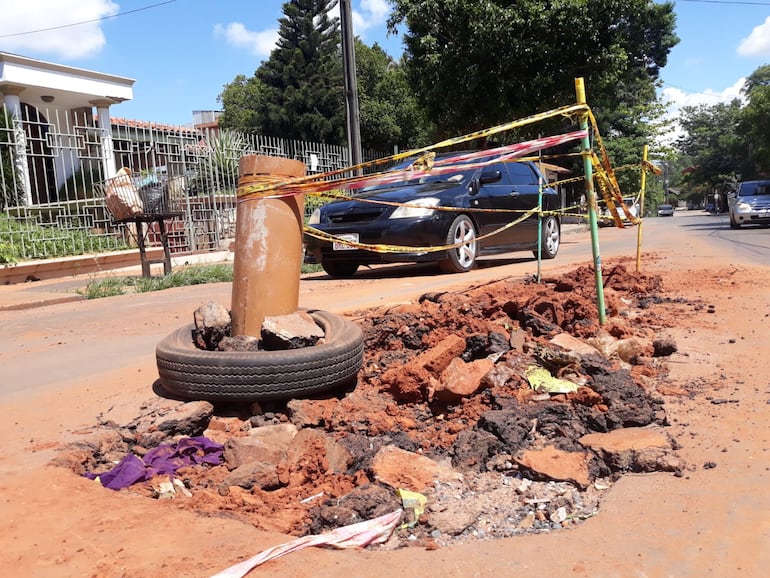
(41, 300)
(66, 277)
(57, 281)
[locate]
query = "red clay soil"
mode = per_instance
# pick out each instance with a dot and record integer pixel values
(395, 404)
(659, 363)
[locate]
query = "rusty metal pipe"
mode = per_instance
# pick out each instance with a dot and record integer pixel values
(268, 247)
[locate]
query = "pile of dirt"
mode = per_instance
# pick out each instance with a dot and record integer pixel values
(502, 409)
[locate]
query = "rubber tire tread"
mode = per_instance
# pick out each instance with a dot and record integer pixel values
(245, 376)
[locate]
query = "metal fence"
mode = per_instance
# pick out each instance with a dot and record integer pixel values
(52, 174)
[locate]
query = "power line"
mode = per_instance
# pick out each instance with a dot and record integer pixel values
(87, 21)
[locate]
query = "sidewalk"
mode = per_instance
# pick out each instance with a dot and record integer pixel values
(65, 284)
(65, 280)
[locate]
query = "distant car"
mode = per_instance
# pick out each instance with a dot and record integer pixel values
(749, 204)
(412, 216)
(665, 211)
(627, 211)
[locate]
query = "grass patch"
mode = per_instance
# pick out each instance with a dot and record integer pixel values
(182, 277)
(107, 287)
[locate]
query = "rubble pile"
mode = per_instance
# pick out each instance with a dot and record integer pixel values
(498, 410)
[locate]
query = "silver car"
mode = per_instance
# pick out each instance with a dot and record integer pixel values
(665, 210)
(750, 204)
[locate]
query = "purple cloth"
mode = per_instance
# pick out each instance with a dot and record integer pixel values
(165, 459)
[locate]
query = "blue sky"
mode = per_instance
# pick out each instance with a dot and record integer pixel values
(182, 52)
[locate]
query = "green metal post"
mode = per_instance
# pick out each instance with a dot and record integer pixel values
(591, 199)
(540, 225)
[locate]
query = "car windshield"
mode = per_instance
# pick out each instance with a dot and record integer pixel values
(749, 189)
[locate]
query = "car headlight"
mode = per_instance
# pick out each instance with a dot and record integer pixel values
(315, 217)
(417, 208)
(743, 207)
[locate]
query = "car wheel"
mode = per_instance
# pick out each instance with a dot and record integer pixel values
(340, 269)
(551, 238)
(244, 376)
(461, 258)
(733, 223)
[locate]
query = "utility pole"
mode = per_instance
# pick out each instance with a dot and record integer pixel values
(351, 84)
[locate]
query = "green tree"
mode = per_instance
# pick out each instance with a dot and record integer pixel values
(754, 124)
(289, 95)
(476, 64)
(300, 85)
(241, 101)
(712, 142)
(388, 108)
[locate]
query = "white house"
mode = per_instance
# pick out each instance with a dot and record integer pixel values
(55, 129)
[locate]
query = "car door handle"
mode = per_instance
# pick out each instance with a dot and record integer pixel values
(515, 193)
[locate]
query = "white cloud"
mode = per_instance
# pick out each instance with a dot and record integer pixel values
(675, 99)
(258, 43)
(372, 14)
(758, 42)
(70, 42)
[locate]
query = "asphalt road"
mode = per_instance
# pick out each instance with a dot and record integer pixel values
(748, 245)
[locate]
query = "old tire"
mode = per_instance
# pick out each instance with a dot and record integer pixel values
(236, 376)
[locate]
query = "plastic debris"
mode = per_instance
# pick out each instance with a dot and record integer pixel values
(542, 381)
(166, 488)
(358, 535)
(414, 503)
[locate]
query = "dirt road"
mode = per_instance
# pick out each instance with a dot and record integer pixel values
(65, 365)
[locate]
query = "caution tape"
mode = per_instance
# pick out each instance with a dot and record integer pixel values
(424, 166)
(298, 184)
(387, 248)
(328, 185)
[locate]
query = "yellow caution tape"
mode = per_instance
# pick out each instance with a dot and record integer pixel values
(298, 184)
(329, 185)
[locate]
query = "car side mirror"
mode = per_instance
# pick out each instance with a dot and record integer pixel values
(490, 177)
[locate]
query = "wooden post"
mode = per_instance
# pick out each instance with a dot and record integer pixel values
(268, 246)
(643, 185)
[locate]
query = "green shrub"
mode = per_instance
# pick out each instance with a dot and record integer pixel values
(24, 240)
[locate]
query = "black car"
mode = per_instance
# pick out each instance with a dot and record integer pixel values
(461, 183)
